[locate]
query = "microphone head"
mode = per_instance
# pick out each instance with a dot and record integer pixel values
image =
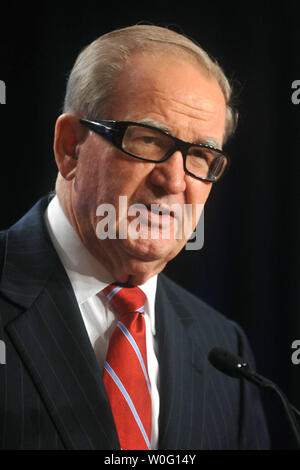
(227, 362)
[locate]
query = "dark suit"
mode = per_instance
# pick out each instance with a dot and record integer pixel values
(51, 391)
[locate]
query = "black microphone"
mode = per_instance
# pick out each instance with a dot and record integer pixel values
(237, 367)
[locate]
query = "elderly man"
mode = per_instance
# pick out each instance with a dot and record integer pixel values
(103, 352)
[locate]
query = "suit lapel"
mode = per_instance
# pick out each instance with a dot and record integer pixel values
(47, 329)
(51, 339)
(181, 373)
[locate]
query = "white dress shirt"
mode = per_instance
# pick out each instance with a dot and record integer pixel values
(88, 278)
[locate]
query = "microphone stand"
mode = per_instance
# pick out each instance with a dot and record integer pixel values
(288, 407)
(235, 366)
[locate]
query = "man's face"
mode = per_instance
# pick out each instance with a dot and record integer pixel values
(171, 93)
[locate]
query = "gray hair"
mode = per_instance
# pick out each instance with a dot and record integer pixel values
(90, 86)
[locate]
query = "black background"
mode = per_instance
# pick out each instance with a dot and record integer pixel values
(249, 265)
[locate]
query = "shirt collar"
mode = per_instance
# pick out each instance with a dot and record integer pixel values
(87, 275)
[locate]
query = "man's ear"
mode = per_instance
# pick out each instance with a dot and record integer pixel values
(68, 134)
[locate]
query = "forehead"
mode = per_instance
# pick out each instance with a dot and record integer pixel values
(174, 91)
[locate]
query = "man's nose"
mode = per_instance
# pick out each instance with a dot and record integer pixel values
(170, 174)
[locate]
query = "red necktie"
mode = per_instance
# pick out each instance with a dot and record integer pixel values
(125, 372)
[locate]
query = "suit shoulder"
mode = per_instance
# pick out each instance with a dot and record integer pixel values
(200, 317)
(190, 301)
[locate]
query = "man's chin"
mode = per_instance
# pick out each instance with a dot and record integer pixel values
(136, 260)
(152, 250)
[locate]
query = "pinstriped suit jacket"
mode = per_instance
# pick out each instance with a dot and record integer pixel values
(51, 391)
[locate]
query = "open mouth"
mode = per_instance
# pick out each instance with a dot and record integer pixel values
(156, 209)
(161, 218)
(157, 221)
(155, 215)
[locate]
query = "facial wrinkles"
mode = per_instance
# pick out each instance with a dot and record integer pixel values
(201, 112)
(192, 111)
(147, 193)
(185, 119)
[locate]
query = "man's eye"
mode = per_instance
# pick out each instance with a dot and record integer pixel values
(148, 139)
(198, 152)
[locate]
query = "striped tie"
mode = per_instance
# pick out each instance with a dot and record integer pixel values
(125, 372)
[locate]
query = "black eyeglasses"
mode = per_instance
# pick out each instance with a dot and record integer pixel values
(151, 144)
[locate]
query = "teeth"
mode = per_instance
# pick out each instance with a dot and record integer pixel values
(160, 211)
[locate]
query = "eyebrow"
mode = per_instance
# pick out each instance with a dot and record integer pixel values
(206, 140)
(211, 142)
(152, 122)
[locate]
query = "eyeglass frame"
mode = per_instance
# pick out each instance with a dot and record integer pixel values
(114, 132)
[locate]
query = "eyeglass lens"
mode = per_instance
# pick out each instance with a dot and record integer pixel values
(151, 144)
